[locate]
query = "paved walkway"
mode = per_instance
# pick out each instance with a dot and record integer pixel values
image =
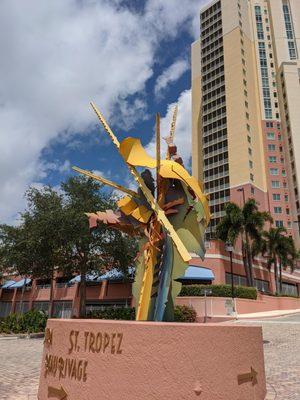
(19, 368)
(20, 361)
(282, 356)
(268, 314)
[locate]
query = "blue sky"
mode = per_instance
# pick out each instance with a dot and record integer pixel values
(132, 58)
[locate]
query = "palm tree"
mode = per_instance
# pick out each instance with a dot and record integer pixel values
(246, 223)
(280, 252)
(288, 256)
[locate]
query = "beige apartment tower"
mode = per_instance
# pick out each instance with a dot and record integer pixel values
(246, 107)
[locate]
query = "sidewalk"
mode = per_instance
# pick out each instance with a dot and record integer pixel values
(268, 314)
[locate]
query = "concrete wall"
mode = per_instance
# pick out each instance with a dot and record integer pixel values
(216, 306)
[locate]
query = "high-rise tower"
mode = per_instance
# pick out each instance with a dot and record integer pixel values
(246, 107)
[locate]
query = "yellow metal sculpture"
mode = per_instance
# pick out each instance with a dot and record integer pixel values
(169, 216)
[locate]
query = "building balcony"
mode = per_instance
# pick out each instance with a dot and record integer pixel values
(216, 164)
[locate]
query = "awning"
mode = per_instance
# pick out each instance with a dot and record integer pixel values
(20, 283)
(88, 277)
(194, 273)
(112, 275)
(8, 284)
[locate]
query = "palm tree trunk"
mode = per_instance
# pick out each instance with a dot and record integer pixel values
(82, 294)
(276, 275)
(250, 266)
(246, 264)
(280, 276)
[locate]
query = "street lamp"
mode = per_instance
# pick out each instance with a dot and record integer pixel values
(229, 248)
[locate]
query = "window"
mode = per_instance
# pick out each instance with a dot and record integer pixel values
(273, 171)
(62, 309)
(279, 224)
(252, 177)
(275, 184)
(272, 159)
(250, 164)
(268, 114)
(271, 135)
(286, 197)
(278, 210)
(271, 147)
(276, 196)
(238, 280)
(5, 308)
(262, 286)
(287, 211)
(249, 151)
(283, 172)
(249, 139)
(289, 289)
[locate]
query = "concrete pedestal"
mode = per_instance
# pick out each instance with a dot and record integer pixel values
(120, 360)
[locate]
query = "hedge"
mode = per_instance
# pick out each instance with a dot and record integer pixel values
(181, 314)
(241, 292)
(33, 321)
(184, 314)
(117, 313)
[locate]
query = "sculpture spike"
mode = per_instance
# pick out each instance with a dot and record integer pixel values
(170, 139)
(173, 124)
(105, 125)
(157, 154)
(106, 182)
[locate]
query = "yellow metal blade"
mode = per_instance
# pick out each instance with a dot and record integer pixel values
(133, 152)
(106, 181)
(145, 295)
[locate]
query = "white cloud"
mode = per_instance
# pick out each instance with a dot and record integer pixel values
(183, 132)
(170, 75)
(65, 167)
(59, 55)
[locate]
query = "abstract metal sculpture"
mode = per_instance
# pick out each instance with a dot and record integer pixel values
(169, 216)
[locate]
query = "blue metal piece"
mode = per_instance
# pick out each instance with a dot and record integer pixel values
(164, 279)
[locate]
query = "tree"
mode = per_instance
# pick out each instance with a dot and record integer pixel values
(244, 223)
(280, 251)
(34, 247)
(16, 254)
(54, 236)
(100, 250)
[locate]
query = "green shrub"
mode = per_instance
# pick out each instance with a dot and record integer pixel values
(120, 313)
(33, 321)
(181, 314)
(242, 292)
(184, 314)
